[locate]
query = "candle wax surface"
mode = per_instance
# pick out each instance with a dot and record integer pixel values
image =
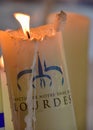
(38, 33)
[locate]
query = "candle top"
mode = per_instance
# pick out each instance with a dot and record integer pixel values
(39, 33)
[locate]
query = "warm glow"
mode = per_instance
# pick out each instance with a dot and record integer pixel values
(24, 20)
(1, 62)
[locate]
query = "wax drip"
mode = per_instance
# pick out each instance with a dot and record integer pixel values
(30, 119)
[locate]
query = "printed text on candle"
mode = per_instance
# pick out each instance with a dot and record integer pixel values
(45, 80)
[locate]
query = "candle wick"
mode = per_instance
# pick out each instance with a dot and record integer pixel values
(28, 34)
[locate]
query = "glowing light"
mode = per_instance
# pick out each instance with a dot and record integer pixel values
(1, 62)
(24, 20)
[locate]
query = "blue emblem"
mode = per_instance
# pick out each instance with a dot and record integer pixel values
(42, 74)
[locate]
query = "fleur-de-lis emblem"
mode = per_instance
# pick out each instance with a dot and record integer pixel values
(42, 74)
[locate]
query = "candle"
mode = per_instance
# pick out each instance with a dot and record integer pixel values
(5, 96)
(37, 78)
(2, 124)
(77, 30)
(76, 39)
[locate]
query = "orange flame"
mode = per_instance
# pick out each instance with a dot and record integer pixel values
(24, 20)
(1, 63)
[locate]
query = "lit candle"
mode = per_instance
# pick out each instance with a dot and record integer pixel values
(5, 96)
(2, 124)
(37, 78)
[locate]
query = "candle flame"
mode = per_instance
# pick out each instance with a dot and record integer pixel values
(24, 20)
(1, 63)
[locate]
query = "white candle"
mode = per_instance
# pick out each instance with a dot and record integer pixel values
(2, 124)
(76, 42)
(38, 69)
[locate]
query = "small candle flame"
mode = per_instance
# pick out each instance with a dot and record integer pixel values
(24, 20)
(1, 63)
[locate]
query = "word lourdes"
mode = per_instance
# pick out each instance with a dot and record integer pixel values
(41, 75)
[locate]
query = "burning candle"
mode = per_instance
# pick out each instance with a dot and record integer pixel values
(5, 96)
(37, 77)
(2, 124)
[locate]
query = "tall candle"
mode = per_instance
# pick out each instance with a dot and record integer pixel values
(2, 124)
(76, 39)
(5, 96)
(37, 78)
(77, 30)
